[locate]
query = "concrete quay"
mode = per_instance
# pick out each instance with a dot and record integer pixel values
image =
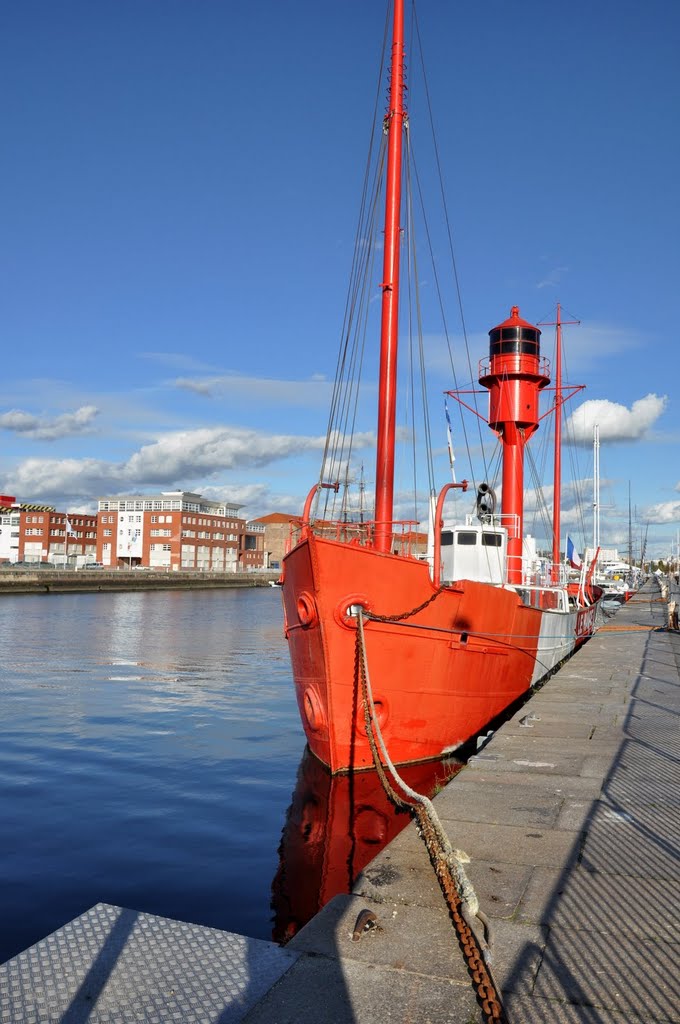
(72, 581)
(570, 815)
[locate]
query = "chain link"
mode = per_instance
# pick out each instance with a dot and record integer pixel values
(404, 615)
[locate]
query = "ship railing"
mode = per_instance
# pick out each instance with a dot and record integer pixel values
(520, 364)
(546, 574)
(508, 520)
(406, 538)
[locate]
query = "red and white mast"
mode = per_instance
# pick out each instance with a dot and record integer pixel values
(387, 393)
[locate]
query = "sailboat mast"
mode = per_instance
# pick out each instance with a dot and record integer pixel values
(557, 477)
(387, 393)
(596, 487)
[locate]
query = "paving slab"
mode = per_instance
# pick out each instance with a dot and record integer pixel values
(635, 840)
(325, 990)
(547, 761)
(528, 845)
(567, 787)
(537, 1010)
(500, 805)
(642, 774)
(600, 901)
(419, 940)
(626, 975)
(408, 878)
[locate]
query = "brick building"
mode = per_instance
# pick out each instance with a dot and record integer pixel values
(277, 531)
(32, 532)
(176, 530)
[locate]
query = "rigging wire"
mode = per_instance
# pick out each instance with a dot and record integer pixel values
(449, 233)
(367, 213)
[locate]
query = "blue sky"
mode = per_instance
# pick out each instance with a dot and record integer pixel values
(178, 198)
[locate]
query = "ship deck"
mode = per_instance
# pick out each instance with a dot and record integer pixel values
(571, 819)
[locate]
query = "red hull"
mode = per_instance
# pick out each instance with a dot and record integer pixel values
(438, 677)
(334, 827)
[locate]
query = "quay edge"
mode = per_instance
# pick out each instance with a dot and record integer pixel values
(55, 581)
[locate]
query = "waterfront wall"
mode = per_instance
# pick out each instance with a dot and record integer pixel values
(55, 581)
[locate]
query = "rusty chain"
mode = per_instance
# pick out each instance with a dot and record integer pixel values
(404, 615)
(479, 971)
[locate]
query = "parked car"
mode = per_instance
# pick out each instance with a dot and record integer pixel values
(28, 565)
(93, 565)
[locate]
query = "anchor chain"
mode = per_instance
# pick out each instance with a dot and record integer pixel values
(456, 887)
(404, 615)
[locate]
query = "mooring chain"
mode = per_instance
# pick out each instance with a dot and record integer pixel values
(404, 615)
(450, 874)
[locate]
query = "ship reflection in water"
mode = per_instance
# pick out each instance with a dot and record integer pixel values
(335, 825)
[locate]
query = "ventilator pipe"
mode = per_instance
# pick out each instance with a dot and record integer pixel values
(307, 511)
(437, 526)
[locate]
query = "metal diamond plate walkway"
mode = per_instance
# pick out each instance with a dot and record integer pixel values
(115, 966)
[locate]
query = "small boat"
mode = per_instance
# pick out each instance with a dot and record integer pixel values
(408, 655)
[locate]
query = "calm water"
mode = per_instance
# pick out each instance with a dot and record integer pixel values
(150, 747)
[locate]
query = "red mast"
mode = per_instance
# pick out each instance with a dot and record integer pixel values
(559, 402)
(514, 376)
(557, 478)
(387, 394)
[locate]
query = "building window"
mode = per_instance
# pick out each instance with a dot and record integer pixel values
(107, 533)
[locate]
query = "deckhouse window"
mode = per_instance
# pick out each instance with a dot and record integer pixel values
(491, 540)
(467, 538)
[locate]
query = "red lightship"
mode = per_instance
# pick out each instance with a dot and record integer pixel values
(452, 640)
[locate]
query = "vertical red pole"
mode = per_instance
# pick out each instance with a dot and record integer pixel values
(387, 393)
(557, 478)
(513, 498)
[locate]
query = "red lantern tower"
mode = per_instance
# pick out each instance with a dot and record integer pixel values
(514, 375)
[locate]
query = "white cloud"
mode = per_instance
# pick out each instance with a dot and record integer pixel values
(41, 428)
(616, 422)
(198, 387)
(177, 459)
(553, 277)
(314, 393)
(257, 499)
(589, 344)
(663, 512)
